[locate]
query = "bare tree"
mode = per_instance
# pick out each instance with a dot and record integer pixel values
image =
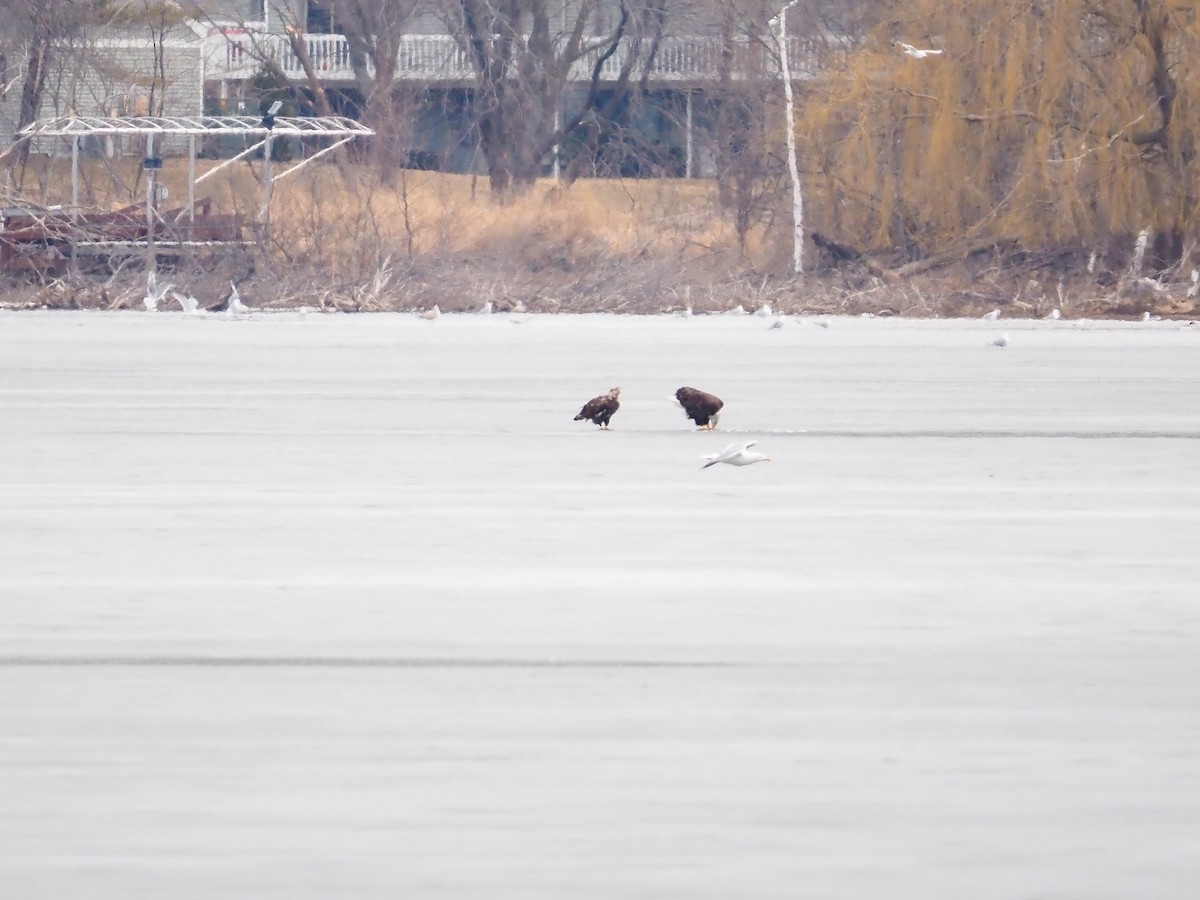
(523, 53)
(374, 29)
(37, 27)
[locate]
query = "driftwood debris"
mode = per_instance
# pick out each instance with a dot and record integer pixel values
(846, 253)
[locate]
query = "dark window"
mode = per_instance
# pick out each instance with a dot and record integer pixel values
(319, 19)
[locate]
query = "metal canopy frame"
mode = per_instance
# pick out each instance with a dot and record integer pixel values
(285, 126)
(342, 129)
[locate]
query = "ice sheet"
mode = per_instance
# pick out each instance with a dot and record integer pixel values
(310, 606)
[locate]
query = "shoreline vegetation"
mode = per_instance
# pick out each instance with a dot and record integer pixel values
(344, 238)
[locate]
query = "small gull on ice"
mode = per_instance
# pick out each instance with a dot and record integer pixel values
(1001, 341)
(153, 294)
(486, 309)
(1054, 314)
(764, 311)
(431, 314)
(992, 316)
(236, 307)
(736, 455)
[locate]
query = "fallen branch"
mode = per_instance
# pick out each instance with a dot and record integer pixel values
(916, 267)
(846, 253)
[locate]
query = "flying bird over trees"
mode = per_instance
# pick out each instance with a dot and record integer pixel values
(601, 409)
(915, 52)
(701, 407)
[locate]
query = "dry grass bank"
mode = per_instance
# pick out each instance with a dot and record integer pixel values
(344, 238)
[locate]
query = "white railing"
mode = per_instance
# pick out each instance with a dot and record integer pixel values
(328, 53)
(438, 57)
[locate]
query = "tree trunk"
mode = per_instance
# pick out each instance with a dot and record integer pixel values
(37, 66)
(1169, 165)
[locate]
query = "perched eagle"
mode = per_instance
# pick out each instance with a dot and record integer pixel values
(702, 408)
(601, 409)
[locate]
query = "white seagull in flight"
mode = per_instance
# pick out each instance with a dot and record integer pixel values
(915, 53)
(189, 304)
(153, 294)
(736, 455)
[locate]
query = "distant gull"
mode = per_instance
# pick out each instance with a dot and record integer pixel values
(778, 323)
(992, 316)
(1001, 341)
(236, 306)
(431, 314)
(1054, 314)
(764, 311)
(486, 309)
(600, 410)
(188, 304)
(736, 455)
(912, 51)
(736, 311)
(685, 313)
(153, 294)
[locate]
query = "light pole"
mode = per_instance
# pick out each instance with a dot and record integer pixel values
(779, 25)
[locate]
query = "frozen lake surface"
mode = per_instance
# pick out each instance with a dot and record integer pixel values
(302, 606)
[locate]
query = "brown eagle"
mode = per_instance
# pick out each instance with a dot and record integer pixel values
(702, 408)
(601, 409)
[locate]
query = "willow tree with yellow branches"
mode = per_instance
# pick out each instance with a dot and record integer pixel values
(1040, 123)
